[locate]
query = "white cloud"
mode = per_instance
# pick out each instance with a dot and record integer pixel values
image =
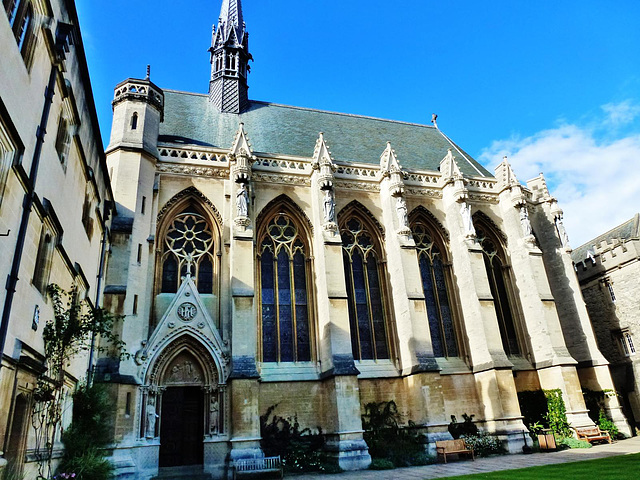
(621, 113)
(595, 178)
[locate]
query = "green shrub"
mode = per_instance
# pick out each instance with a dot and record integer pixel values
(605, 424)
(387, 439)
(301, 450)
(381, 464)
(484, 444)
(557, 416)
(570, 442)
(88, 435)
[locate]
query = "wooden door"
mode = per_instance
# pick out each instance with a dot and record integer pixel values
(182, 426)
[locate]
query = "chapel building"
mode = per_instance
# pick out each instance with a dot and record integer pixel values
(268, 255)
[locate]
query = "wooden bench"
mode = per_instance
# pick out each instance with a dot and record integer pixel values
(255, 466)
(453, 447)
(592, 434)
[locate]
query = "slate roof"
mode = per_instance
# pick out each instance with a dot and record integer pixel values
(191, 119)
(628, 230)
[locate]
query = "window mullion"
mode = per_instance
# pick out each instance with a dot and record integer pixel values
(355, 306)
(434, 287)
(292, 287)
(365, 265)
(276, 301)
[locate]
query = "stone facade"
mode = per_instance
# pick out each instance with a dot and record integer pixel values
(258, 268)
(56, 201)
(608, 268)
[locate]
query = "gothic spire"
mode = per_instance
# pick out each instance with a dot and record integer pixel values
(229, 60)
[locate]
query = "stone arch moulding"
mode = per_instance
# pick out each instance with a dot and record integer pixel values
(488, 220)
(285, 199)
(420, 210)
(209, 370)
(190, 192)
(356, 205)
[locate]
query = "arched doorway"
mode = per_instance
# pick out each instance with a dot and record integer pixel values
(184, 403)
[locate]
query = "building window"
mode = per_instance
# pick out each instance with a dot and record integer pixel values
(11, 7)
(435, 281)
(143, 205)
(63, 139)
(8, 150)
(364, 275)
(139, 256)
(44, 259)
(188, 248)
(87, 208)
(21, 18)
(626, 343)
(134, 310)
(609, 286)
(134, 121)
(499, 281)
(284, 292)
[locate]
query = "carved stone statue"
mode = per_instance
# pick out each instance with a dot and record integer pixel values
(467, 222)
(562, 232)
(401, 211)
(242, 201)
(214, 414)
(329, 207)
(152, 417)
(524, 221)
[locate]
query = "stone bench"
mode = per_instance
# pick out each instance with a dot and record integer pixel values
(592, 434)
(257, 466)
(453, 447)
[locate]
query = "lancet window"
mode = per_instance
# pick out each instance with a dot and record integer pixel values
(364, 274)
(436, 281)
(495, 262)
(188, 247)
(283, 269)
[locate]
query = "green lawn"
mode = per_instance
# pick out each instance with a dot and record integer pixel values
(614, 468)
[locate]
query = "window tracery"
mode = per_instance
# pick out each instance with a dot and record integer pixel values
(494, 260)
(435, 283)
(363, 272)
(283, 273)
(188, 248)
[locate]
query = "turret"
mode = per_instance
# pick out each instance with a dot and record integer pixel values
(138, 110)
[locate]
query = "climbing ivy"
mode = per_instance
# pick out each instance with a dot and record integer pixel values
(557, 416)
(68, 334)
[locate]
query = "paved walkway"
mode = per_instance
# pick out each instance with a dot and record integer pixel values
(483, 465)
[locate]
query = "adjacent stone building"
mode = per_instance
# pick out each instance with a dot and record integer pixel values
(55, 201)
(608, 268)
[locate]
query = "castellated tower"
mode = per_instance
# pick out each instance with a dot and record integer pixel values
(138, 109)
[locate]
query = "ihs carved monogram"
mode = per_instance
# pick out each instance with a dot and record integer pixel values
(187, 311)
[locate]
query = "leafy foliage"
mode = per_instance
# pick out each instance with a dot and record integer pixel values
(484, 444)
(69, 333)
(403, 446)
(557, 416)
(570, 442)
(88, 434)
(301, 450)
(460, 429)
(606, 424)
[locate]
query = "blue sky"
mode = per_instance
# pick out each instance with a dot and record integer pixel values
(554, 85)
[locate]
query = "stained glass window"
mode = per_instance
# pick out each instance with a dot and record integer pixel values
(369, 338)
(284, 295)
(434, 284)
(188, 247)
(498, 280)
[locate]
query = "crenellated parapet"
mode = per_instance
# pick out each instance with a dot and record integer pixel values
(140, 91)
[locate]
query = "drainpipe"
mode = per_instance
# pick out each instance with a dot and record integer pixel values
(63, 30)
(103, 252)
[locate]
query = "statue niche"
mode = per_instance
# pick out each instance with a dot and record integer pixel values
(183, 370)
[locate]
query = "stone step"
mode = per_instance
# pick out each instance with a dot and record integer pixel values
(182, 473)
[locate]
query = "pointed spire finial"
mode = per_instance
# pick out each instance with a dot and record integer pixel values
(434, 117)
